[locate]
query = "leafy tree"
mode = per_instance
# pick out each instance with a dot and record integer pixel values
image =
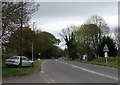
(87, 39)
(56, 52)
(44, 43)
(100, 22)
(111, 46)
(117, 38)
(13, 13)
(13, 46)
(116, 32)
(68, 36)
(48, 44)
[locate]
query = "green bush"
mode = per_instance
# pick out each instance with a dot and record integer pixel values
(100, 59)
(110, 59)
(5, 56)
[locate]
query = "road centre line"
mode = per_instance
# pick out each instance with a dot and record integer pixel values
(94, 72)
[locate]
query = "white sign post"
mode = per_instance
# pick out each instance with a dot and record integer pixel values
(105, 49)
(106, 55)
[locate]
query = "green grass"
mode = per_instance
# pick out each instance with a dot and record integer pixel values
(112, 61)
(14, 71)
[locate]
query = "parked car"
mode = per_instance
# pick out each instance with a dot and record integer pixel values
(15, 61)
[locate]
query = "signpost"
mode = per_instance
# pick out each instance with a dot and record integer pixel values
(105, 49)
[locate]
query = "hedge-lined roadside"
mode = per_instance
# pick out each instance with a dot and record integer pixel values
(112, 61)
(14, 71)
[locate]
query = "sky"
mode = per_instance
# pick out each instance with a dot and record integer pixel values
(55, 16)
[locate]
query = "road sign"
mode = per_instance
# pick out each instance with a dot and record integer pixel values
(106, 54)
(105, 49)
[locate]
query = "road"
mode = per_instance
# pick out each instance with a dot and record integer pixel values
(60, 71)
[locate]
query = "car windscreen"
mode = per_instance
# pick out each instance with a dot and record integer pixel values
(15, 57)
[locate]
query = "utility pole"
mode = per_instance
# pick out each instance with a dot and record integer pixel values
(21, 27)
(33, 43)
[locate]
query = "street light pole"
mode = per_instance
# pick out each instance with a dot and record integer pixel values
(33, 42)
(21, 28)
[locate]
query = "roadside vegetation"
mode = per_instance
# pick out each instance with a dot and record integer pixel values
(112, 61)
(19, 38)
(89, 40)
(15, 71)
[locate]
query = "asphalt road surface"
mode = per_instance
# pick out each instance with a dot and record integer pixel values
(60, 71)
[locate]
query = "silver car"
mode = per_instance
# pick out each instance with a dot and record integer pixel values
(15, 61)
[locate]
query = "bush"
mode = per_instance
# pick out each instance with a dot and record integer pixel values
(110, 59)
(92, 57)
(5, 56)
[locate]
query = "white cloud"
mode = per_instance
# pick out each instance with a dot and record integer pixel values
(112, 21)
(53, 17)
(57, 26)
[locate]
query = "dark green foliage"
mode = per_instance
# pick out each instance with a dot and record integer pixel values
(68, 36)
(44, 43)
(111, 46)
(87, 40)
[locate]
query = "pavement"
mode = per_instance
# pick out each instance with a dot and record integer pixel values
(61, 71)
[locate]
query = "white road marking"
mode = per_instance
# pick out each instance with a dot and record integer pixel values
(47, 78)
(94, 72)
(44, 78)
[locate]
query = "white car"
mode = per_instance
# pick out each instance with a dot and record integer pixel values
(15, 61)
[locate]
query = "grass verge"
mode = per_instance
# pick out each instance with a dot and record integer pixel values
(112, 61)
(13, 72)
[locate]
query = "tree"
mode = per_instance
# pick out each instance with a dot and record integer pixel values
(12, 16)
(68, 36)
(13, 46)
(48, 44)
(87, 39)
(111, 46)
(119, 41)
(117, 38)
(44, 43)
(100, 22)
(56, 52)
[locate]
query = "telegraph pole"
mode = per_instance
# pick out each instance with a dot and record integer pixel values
(33, 42)
(21, 27)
